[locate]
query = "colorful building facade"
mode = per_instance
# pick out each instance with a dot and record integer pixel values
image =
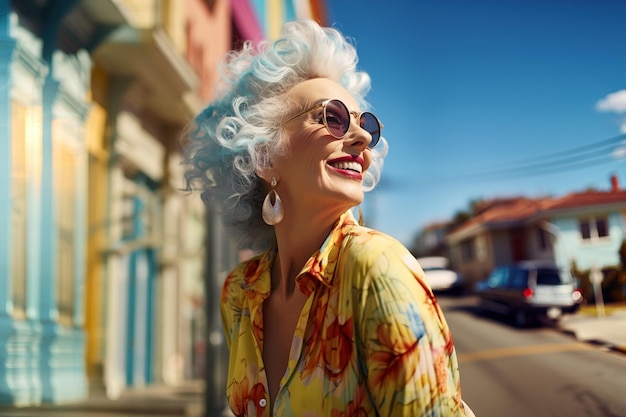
(109, 273)
(44, 83)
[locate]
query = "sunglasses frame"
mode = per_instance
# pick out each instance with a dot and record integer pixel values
(357, 116)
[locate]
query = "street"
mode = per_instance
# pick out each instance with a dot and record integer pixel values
(537, 372)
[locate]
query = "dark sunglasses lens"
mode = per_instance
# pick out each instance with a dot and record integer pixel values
(337, 118)
(370, 124)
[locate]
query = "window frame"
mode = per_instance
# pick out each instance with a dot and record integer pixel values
(67, 166)
(592, 222)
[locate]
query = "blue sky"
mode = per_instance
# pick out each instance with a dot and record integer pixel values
(467, 87)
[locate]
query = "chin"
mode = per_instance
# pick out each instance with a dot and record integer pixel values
(355, 199)
(343, 193)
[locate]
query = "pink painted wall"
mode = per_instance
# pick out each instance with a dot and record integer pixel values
(209, 33)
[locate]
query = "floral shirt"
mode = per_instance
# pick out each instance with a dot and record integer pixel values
(371, 339)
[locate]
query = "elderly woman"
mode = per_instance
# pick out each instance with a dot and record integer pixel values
(332, 318)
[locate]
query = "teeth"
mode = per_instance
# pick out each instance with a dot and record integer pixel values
(352, 166)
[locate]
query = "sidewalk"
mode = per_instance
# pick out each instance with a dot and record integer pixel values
(182, 401)
(609, 331)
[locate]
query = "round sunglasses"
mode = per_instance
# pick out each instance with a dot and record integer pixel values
(336, 118)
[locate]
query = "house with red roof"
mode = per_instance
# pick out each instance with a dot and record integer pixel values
(589, 227)
(586, 227)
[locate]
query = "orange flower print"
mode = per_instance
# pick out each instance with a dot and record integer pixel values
(449, 344)
(306, 284)
(357, 276)
(228, 289)
(441, 372)
(364, 238)
(316, 267)
(313, 340)
(242, 398)
(397, 358)
(238, 396)
(257, 328)
(251, 273)
(355, 407)
(337, 347)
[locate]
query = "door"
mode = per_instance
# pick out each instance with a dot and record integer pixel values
(139, 337)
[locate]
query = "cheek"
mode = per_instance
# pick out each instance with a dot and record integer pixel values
(367, 159)
(310, 146)
(301, 157)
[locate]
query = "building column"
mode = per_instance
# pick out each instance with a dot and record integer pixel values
(60, 381)
(115, 262)
(19, 339)
(116, 281)
(7, 46)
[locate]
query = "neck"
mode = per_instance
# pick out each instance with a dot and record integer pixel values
(298, 237)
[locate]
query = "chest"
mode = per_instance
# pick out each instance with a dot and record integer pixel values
(307, 355)
(280, 322)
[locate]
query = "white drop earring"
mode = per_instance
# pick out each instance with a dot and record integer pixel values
(272, 212)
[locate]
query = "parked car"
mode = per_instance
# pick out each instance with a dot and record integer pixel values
(439, 275)
(528, 291)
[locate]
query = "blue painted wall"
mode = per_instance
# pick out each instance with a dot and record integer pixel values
(19, 339)
(604, 252)
(40, 360)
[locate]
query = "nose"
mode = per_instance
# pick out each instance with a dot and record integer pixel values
(356, 135)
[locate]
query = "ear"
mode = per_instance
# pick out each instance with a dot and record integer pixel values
(267, 173)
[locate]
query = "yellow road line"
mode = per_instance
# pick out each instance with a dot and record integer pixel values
(521, 351)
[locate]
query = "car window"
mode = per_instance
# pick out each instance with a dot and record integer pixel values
(498, 278)
(549, 276)
(518, 278)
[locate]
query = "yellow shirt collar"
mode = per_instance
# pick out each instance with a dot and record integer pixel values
(321, 265)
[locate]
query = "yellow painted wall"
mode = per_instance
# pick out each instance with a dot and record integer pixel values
(95, 131)
(275, 17)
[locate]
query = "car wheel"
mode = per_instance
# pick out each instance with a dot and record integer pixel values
(521, 318)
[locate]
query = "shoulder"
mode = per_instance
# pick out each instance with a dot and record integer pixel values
(372, 258)
(372, 246)
(234, 283)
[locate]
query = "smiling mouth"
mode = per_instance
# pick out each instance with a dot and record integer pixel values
(348, 166)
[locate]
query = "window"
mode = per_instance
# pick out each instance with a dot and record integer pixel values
(518, 278)
(480, 247)
(467, 250)
(593, 228)
(128, 208)
(547, 276)
(65, 164)
(26, 162)
(543, 238)
(139, 211)
(498, 278)
(19, 176)
(602, 227)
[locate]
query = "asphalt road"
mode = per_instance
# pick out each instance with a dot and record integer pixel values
(538, 372)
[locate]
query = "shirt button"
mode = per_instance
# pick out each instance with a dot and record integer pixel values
(262, 402)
